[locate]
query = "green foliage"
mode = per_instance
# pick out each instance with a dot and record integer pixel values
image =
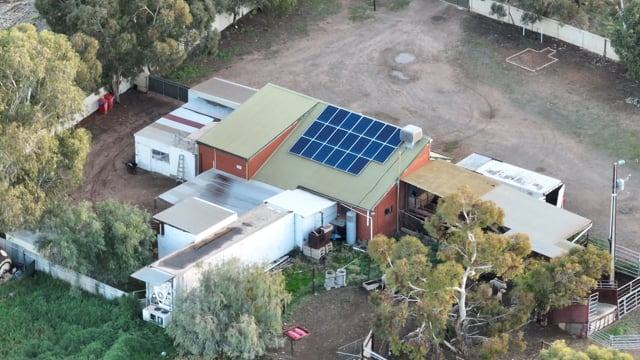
(107, 241)
(50, 321)
(428, 301)
(38, 78)
(235, 312)
(626, 39)
(132, 34)
(37, 168)
(560, 350)
(559, 281)
(90, 69)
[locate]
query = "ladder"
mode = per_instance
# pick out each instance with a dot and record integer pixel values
(180, 172)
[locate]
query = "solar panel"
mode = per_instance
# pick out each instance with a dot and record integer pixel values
(327, 114)
(347, 141)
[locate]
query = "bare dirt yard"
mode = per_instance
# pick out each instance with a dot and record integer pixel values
(429, 64)
(112, 146)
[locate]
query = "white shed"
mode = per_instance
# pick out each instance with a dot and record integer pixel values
(540, 186)
(262, 235)
(190, 221)
(168, 146)
(311, 211)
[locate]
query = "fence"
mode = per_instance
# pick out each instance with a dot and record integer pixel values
(168, 88)
(621, 342)
(572, 35)
(21, 255)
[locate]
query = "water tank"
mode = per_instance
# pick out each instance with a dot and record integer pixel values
(351, 227)
(341, 277)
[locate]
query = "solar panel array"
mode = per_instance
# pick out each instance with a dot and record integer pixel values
(347, 141)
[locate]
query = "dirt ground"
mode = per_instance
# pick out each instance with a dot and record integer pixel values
(112, 146)
(430, 65)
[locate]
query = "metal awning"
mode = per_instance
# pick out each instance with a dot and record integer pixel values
(152, 275)
(443, 178)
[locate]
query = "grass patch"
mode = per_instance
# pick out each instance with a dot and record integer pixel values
(399, 4)
(299, 278)
(450, 146)
(189, 73)
(359, 12)
(47, 319)
(482, 62)
(620, 328)
(321, 8)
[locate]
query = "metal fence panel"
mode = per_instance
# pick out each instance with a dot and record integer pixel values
(169, 88)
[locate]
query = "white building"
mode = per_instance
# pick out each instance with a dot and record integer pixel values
(262, 235)
(190, 221)
(168, 146)
(311, 211)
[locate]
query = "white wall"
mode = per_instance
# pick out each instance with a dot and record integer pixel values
(265, 245)
(549, 27)
(306, 224)
(173, 240)
(144, 147)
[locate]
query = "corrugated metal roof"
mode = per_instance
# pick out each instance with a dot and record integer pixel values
(548, 226)
(300, 202)
(228, 191)
(443, 178)
(194, 215)
(530, 182)
(258, 121)
(222, 91)
(290, 171)
(152, 275)
(255, 220)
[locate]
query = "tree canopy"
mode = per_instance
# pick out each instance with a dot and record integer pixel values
(445, 291)
(234, 312)
(560, 350)
(107, 241)
(38, 79)
(132, 34)
(561, 280)
(626, 39)
(474, 286)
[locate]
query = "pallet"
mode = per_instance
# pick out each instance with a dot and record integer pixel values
(316, 254)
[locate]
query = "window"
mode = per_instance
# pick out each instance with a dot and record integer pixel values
(388, 210)
(159, 155)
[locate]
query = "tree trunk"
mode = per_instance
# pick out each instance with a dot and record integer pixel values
(115, 87)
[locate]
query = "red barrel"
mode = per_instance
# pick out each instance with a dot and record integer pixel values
(108, 98)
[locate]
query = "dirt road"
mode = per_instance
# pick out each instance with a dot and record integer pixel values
(443, 69)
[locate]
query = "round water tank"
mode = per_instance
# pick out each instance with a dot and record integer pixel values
(341, 277)
(351, 227)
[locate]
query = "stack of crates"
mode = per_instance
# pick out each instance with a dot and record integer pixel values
(316, 254)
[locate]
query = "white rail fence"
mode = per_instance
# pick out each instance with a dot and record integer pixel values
(21, 255)
(548, 27)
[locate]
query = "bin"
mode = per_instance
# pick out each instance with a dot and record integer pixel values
(108, 98)
(103, 106)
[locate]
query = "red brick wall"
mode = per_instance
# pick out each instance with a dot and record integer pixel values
(256, 162)
(206, 157)
(385, 220)
(421, 160)
(230, 164)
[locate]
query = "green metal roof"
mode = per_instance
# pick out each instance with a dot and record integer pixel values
(258, 121)
(290, 171)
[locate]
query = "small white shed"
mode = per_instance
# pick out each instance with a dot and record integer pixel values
(311, 211)
(190, 221)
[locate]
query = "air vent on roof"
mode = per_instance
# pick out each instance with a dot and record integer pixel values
(410, 134)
